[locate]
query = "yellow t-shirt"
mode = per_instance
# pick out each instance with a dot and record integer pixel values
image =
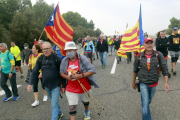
(33, 59)
(15, 51)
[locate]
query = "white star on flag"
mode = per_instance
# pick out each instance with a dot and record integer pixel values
(52, 18)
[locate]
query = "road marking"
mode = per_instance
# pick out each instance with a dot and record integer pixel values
(2, 91)
(114, 66)
(170, 57)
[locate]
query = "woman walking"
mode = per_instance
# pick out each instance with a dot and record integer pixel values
(36, 50)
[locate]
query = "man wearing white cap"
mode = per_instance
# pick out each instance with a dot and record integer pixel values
(76, 67)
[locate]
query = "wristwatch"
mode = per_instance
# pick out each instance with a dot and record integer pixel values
(11, 72)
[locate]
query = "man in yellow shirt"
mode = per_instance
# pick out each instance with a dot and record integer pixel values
(16, 52)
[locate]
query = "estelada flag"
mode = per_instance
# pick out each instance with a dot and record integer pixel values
(58, 31)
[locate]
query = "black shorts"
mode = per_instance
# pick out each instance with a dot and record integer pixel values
(18, 63)
(88, 55)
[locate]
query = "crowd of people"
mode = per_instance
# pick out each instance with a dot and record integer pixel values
(73, 74)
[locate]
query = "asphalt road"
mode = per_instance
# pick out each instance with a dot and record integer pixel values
(115, 94)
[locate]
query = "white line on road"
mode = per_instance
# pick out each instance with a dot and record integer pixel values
(114, 66)
(2, 91)
(177, 61)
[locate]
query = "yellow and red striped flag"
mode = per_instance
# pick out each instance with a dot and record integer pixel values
(58, 31)
(130, 41)
(133, 39)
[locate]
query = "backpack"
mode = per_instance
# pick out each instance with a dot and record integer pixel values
(89, 46)
(56, 63)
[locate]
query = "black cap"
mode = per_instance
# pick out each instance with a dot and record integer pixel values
(26, 44)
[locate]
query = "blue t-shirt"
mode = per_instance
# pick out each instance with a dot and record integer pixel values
(5, 62)
(56, 48)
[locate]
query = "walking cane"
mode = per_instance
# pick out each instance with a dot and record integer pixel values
(85, 91)
(92, 96)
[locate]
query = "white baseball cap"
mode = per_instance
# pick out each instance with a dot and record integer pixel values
(70, 45)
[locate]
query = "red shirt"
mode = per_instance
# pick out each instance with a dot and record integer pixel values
(73, 86)
(148, 61)
(36, 42)
(148, 67)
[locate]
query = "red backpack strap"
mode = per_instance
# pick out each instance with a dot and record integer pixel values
(157, 55)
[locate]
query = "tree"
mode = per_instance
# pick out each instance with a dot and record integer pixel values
(23, 4)
(4, 35)
(173, 23)
(21, 27)
(22, 23)
(75, 19)
(42, 11)
(98, 32)
(91, 25)
(81, 27)
(8, 9)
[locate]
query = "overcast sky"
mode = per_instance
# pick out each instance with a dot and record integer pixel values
(111, 15)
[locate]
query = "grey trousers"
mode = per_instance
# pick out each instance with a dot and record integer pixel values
(29, 72)
(129, 56)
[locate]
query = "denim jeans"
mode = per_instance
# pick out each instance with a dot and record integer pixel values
(147, 94)
(54, 97)
(80, 45)
(110, 48)
(103, 57)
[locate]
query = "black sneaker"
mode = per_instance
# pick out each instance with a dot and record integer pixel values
(60, 116)
(97, 58)
(94, 59)
(27, 80)
(169, 75)
(174, 73)
(117, 62)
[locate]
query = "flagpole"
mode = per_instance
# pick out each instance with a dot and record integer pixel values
(41, 34)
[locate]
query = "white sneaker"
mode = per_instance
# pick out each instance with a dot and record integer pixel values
(36, 103)
(45, 98)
